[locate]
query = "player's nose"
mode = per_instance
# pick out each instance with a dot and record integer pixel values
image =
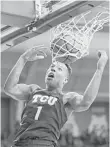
(52, 69)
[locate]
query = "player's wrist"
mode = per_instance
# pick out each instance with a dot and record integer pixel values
(24, 58)
(100, 71)
(100, 67)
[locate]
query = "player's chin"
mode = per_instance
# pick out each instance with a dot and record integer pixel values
(49, 79)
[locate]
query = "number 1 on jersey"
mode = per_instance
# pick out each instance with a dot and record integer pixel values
(39, 108)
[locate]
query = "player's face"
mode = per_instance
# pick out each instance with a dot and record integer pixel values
(56, 75)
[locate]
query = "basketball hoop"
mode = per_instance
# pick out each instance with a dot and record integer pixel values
(71, 40)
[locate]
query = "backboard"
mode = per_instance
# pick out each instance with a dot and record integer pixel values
(52, 13)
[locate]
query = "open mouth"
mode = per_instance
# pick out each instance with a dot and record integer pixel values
(50, 75)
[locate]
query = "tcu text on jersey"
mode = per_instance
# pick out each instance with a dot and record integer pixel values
(44, 99)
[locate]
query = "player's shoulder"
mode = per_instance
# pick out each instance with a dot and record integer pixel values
(35, 87)
(68, 96)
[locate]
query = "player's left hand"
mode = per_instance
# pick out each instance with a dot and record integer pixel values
(102, 59)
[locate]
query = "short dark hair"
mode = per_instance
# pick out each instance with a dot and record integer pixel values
(69, 69)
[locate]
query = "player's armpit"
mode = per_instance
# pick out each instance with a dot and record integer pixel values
(76, 101)
(20, 92)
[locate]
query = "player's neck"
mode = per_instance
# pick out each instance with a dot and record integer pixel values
(54, 90)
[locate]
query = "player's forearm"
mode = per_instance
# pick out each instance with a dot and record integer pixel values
(15, 73)
(93, 87)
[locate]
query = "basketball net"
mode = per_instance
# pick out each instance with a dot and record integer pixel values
(79, 36)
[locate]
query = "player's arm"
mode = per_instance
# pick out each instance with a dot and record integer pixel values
(11, 87)
(83, 102)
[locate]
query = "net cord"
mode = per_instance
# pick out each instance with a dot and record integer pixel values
(87, 31)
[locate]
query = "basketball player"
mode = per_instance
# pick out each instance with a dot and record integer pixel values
(45, 110)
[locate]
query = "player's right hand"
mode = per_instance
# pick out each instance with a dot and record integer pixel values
(34, 53)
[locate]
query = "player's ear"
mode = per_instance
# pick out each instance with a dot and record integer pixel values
(66, 80)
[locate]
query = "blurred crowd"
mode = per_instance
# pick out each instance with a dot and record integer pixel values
(67, 139)
(86, 139)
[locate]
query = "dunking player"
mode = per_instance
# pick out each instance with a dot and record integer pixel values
(45, 110)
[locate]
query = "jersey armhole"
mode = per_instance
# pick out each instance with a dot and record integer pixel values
(36, 90)
(67, 99)
(67, 105)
